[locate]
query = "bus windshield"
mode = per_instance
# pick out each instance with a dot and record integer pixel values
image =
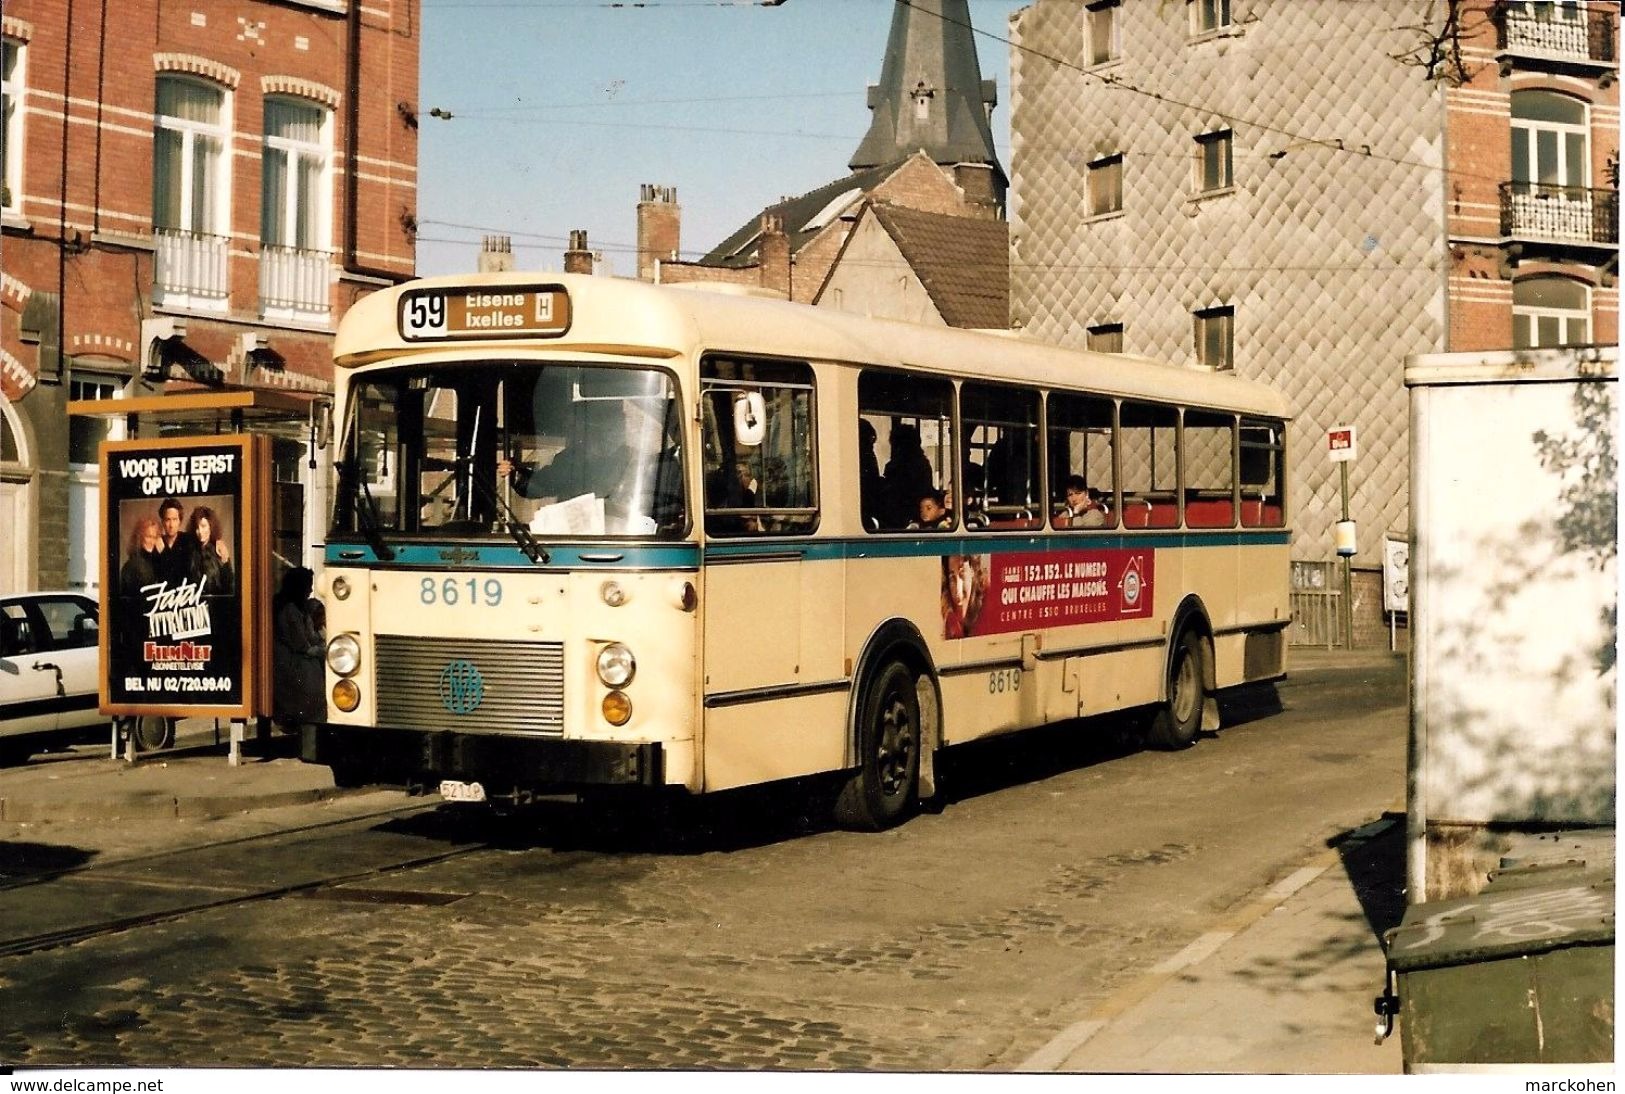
(475, 448)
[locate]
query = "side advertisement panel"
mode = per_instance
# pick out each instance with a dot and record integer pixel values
(183, 582)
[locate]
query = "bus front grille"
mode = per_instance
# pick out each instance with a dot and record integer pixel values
(471, 685)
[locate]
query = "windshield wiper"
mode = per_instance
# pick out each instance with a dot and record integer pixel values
(367, 515)
(510, 521)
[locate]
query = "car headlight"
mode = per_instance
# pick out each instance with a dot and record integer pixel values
(344, 654)
(616, 665)
(341, 588)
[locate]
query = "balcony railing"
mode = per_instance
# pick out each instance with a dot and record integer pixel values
(1579, 39)
(296, 279)
(1559, 212)
(190, 264)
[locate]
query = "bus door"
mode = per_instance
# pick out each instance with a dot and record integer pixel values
(760, 497)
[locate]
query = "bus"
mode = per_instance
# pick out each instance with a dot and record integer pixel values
(592, 534)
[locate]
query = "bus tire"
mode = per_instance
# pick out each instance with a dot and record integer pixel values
(884, 789)
(1177, 720)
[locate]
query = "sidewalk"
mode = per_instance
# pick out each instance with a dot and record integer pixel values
(1283, 986)
(191, 779)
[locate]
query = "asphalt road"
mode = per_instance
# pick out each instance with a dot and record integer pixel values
(748, 935)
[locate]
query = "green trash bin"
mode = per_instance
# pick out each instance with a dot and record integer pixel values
(1521, 973)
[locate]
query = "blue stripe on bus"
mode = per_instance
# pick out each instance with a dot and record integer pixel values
(939, 545)
(686, 556)
(572, 556)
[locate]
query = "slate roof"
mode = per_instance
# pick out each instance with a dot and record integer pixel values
(931, 51)
(797, 215)
(963, 262)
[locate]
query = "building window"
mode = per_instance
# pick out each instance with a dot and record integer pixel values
(1106, 338)
(1104, 44)
(1106, 186)
(11, 142)
(86, 433)
(296, 179)
(1215, 337)
(1213, 162)
(1549, 140)
(190, 192)
(1208, 16)
(1550, 311)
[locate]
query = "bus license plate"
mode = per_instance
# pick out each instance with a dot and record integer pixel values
(462, 792)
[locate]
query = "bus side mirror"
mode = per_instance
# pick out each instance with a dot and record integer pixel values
(750, 419)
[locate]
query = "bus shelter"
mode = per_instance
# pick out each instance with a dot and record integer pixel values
(201, 511)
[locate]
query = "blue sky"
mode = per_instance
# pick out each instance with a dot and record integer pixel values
(561, 109)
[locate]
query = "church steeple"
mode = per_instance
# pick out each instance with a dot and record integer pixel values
(931, 94)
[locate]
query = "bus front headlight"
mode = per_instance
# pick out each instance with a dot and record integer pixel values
(616, 665)
(344, 654)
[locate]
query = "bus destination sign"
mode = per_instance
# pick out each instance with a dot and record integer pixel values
(516, 311)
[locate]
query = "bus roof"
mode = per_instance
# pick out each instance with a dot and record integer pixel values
(623, 317)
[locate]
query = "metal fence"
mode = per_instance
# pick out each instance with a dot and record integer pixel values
(1317, 605)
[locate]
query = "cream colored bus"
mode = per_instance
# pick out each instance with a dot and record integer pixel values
(593, 533)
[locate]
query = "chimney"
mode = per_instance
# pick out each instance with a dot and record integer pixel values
(982, 188)
(578, 259)
(496, 254)
(660, 221)
(773, 255)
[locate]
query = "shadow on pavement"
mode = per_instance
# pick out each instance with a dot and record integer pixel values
(20, 860)
(1376, 870)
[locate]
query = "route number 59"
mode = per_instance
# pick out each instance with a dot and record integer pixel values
(423, 316)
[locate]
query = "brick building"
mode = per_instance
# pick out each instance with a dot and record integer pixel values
(1308, 191)
(929, 148)
(194, 194)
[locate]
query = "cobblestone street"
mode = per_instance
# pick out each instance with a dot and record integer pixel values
(962, 941)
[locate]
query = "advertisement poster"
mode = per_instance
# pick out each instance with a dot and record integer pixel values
(988, 594)
(179, 579)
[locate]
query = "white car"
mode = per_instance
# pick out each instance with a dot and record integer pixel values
(49, 672)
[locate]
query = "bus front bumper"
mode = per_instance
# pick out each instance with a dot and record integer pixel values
(362, 755)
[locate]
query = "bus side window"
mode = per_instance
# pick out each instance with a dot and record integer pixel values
(914, 450)
(1148, 435)
(1001, 425)
(764, 484)
(1262, 473)
(1081, 429)
(1209, 468)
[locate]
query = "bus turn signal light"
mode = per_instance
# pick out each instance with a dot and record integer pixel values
(346, 696)
(617, 708)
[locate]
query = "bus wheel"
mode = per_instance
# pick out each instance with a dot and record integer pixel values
(152, 732)
(1176, 721)
(885, 787)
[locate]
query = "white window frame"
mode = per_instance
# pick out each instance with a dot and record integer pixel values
(1103, 19)
(1528, 130)
(85, 480)
(1217, 138)
(1225, 316)
(301, 272)
(219, 218)
(13, 90)
(1574, 324)
(209, 245)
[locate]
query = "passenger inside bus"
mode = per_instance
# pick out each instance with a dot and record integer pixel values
(908, 476)
(1085, 506)
(933, 511)
(871, 487)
